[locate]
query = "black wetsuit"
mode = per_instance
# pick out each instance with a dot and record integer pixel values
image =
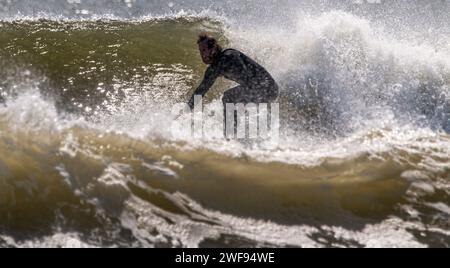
(256, 85)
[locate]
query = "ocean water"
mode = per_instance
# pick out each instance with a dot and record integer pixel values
(88, 156)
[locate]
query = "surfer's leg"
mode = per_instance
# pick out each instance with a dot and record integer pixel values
(234, 96)
(245, 96)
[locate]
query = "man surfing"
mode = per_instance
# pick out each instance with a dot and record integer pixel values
(256, 85)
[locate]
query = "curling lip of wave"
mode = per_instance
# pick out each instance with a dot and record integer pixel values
(182, 14)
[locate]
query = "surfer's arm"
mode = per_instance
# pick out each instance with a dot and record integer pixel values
(208, 81)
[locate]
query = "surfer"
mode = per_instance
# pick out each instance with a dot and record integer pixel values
(256, 85)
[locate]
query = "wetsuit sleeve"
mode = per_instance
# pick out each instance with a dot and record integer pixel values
(210, 77)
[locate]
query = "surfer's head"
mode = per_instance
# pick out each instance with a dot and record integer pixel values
(209, 48)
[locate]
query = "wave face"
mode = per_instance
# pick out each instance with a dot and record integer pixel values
(88, 159)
